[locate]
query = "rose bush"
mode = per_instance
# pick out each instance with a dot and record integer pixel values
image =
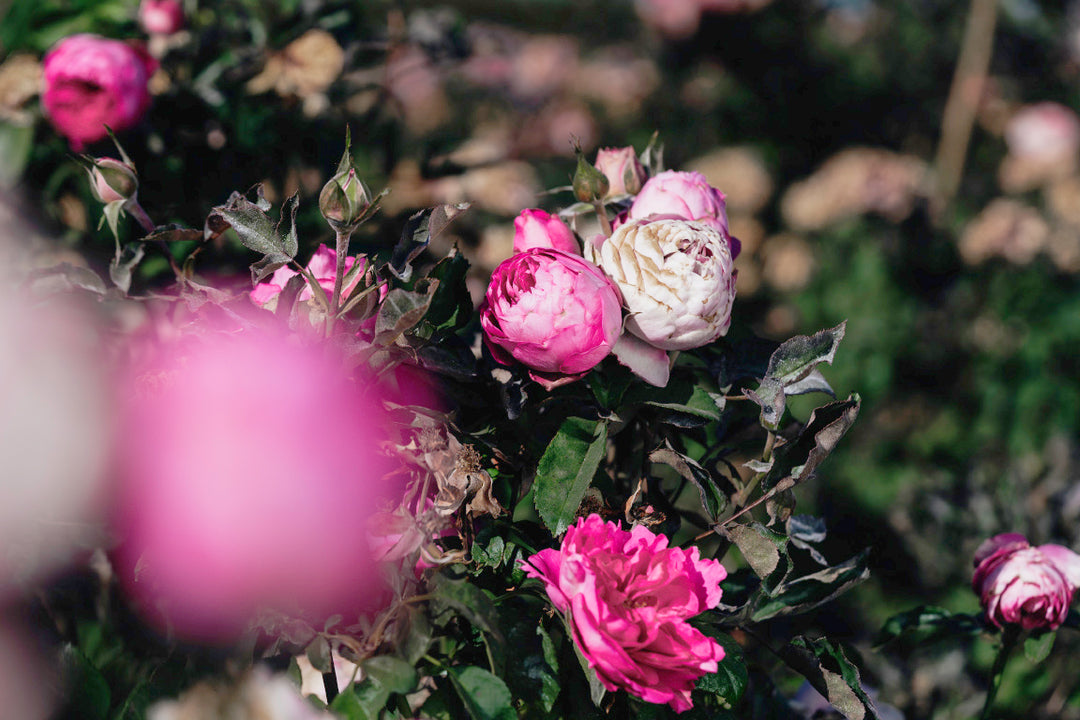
(91, 82)
(628, 596)
(538, 229)
(1024, 585)
(552, 311)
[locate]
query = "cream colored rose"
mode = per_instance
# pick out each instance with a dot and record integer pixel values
(677, 280)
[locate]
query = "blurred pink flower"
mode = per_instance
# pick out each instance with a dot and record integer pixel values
(247, 477)
(1025, 585)
(622, 168)
(628, 597)
(323, 266)
(552, 311)
(1043, 131)
(538, 229)
(161, 17)
(91, 82)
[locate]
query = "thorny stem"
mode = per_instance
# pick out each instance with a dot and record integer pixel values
(329, 679)
(341, 244)
(742, 495)
(1009, 640)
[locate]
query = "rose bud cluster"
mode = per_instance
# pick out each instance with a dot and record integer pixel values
(92, 82)
(627, 597)
(552, 311)
(1018, 584)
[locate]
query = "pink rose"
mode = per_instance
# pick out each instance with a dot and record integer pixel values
(161, 17)
(91, 82)
(1045, 131)
(623, 170)
(1025, 585)
(628, 597)
(552, 311)
(323, 265)
(248, 472)
(683, 196)
(538, 229)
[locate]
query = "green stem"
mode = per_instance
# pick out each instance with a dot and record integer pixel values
(137, 212)
(1009, 640)
(341, 243)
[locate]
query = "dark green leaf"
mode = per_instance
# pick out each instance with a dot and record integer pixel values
(401, 310)
(796, 358)
(451, 306)
(255, 230)
(319, 655)
(121, 267)
(796, 461)
(173, 233)
(472, 603)
(1037, 647)
(925, 625)
(414, 238)
(770, 398)
(729, 681)
(363, 701)
(90, 696)
(392, 673)
(566, 470)
(486, 697)
(807, 592)
(681, 396)
(712, 499)
(760, 546)
(828, 669)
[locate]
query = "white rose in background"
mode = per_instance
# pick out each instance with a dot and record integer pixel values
(677, 279)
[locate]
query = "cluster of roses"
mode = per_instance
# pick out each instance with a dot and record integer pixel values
(557, 305)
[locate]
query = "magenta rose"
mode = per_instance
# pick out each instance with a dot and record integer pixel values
(323, 266)
(554, 312)
(1028, 586)
(683, 196)
(161, 17)
(91, 82)
(628, 597)
(622, 168)
(538, 229)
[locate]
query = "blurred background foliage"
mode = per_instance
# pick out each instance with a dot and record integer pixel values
(822, 121)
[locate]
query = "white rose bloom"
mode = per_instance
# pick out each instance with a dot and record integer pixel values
(677, 280)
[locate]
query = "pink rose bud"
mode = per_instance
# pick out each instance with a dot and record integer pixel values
(323, 266)
(683, 196)
(91, 82)
(112, 180)
(628, 596)
(248, 470)
(623, 170)
(1024, 585)
(161, 17)
(538, 229)
(552, 311)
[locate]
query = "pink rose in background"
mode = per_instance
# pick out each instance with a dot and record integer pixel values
(623, 170)
(538, 229)
(683, 196)
(161, 17)
(628, 597)
(323, 266)
(248, 470)
(1044, 131)
(91, 82)
(1020, 584)
(552, 311)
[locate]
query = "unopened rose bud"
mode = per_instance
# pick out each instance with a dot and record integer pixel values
(590, 185)
(112, 180)
(623, 170)
(344, 199)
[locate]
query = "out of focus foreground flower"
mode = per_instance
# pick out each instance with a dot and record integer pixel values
(91, 82)
(552, 311)
(1024, 585)
(249, 468)
(258, 695)
(628, 597)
